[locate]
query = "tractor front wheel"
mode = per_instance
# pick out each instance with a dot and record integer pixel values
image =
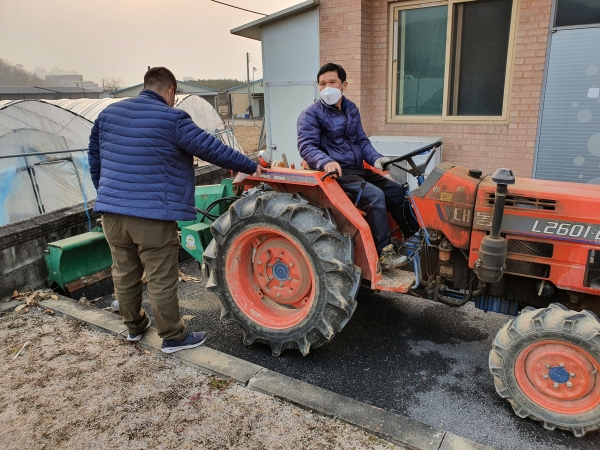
(282, 271)
(546, 363)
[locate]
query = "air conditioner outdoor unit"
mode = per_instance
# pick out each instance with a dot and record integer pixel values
(394, 146)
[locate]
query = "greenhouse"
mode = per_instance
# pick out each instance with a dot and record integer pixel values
(43, 151)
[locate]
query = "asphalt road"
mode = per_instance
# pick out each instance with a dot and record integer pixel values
(414, 357)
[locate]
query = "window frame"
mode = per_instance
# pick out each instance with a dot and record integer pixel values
(394, 10)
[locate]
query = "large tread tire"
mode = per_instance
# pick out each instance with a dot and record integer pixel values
(579, 331)
(330, 255)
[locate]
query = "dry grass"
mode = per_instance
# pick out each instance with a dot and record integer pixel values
(74, 388)
(247, 137)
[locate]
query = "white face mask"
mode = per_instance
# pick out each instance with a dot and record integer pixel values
(330, 95)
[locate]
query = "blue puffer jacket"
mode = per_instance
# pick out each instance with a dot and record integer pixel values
(326, 134)
(141, 162)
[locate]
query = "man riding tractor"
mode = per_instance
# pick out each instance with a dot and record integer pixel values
(331, 138)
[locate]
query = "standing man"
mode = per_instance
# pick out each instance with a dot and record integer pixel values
(331, 138)
(141, 161)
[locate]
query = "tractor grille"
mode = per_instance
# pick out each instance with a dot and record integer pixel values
(592, 270)
(513, 201)
(541, 249)
(530, 269)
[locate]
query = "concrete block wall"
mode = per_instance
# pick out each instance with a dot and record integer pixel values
(355, 34)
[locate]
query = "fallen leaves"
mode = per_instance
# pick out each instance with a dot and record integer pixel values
(183, 277)
(21, 307)
(187, 317)
(32, 299)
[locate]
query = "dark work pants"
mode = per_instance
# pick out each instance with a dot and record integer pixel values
(380, 196)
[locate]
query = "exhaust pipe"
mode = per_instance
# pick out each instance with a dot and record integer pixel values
(492, 251)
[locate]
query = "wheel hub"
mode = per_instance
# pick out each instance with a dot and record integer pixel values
(559, 376)
(281, 272)
(270, 278)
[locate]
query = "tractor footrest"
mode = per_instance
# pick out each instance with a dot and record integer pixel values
(396, 280)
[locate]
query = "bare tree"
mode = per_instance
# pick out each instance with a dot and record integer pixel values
(112, 84)
(16, 75)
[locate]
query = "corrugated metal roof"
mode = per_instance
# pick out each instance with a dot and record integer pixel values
(22, 90)
(243, 85)
(67, 90)
(252, 30)
(209, 89)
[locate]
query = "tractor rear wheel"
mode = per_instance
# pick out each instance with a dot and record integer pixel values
(546, 363)
(282, 271)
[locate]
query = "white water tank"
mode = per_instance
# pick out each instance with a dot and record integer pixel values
(394, 146)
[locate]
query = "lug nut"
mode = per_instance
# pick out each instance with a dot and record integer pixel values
(572, 374)
(278, 259)
(555, 385)
(545, 377)
(269, 265)
(547, 365)
(291, 264)
(280, 284)
(279, 294)
(569, 384)
(259, 263)
(562, 364)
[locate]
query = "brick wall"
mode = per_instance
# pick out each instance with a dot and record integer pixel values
(354, 33)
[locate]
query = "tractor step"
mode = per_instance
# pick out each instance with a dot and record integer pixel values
(396, 280)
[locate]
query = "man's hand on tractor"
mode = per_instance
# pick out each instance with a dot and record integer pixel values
(258, 170)
(380, 162)
(333, 167)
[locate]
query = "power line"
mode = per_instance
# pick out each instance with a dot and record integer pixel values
(237, 7)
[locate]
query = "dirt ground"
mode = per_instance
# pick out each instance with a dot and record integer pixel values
(75, 388)
(247, 135)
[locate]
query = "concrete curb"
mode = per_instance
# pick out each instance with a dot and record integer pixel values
(392, 427)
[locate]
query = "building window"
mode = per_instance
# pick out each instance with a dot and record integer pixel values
(451, 60)
(577, 12)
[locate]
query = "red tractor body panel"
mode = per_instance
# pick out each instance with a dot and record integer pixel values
(448, 206)
(551, 227)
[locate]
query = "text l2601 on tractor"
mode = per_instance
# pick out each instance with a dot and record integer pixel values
(287, 260)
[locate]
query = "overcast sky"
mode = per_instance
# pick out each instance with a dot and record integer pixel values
(121, 38)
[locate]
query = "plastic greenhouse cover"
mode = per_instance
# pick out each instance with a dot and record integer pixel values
(207, 118)
(27, 186)
(31, 184)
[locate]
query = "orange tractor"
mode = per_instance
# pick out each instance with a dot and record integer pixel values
(287, 261)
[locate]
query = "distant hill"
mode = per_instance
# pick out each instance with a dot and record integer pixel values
(220, 84)
(16, 75)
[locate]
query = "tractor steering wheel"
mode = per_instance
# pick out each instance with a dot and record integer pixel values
(415, 170)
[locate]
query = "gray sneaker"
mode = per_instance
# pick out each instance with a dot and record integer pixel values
(138, 337)
(391, 259)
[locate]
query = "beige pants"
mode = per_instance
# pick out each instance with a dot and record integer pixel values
(151, 245)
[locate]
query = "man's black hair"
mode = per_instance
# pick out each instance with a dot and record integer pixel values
(331, 67)
(159, 79)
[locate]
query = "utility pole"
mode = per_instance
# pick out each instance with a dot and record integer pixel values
(248, 84)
